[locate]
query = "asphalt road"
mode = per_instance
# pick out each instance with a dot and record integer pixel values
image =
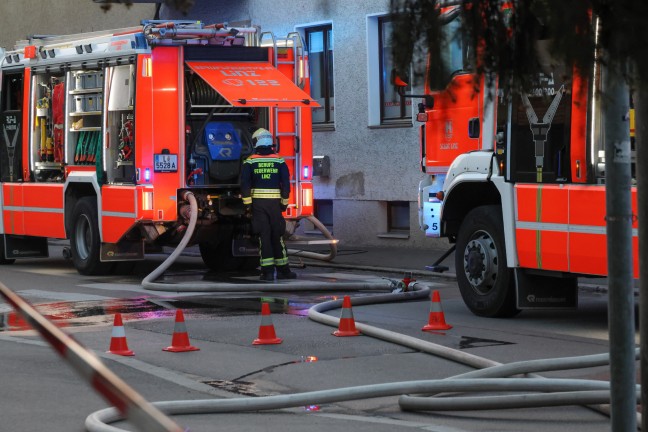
(39, 391)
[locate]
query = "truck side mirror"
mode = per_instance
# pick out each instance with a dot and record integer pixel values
(400, 81)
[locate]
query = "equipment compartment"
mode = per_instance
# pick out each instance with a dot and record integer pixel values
(48, 136)
(83, 128)
(120, 124)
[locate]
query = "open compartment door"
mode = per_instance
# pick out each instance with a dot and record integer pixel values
(252, 84)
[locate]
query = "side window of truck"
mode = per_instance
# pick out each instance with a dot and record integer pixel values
(455, 55)
(10, 122)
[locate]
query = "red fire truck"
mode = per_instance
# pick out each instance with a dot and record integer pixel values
(105, 133)
(516, 183)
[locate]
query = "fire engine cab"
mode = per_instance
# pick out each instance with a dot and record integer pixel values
(105, 133)
(515, 182)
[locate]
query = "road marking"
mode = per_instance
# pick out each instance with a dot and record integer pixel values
(62, 295)
(165, 374)
(53, 271)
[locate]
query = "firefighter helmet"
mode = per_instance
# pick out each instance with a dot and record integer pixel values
(262, 138)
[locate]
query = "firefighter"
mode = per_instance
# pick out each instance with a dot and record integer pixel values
(265, 188)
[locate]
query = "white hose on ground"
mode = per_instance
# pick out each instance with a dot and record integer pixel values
(591, 391)
(316, 313)
(571, 392)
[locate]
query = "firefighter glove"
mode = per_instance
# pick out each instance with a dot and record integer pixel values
(284, 204)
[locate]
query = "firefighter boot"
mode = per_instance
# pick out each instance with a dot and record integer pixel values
(267, 273)
(283, 272)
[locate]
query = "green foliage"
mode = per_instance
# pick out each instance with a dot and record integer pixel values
(503, 33)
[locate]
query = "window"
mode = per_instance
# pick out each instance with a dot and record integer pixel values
(398, 220)
(319, 42)
(393, 107)
(385, 106)
(12, 92)
(454, 52)
(323, 209)
(11, 125)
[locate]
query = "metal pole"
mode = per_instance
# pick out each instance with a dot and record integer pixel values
(619, 247)
(641, 163)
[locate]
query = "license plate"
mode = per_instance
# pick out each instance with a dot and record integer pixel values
(165, 163)
(432, 219)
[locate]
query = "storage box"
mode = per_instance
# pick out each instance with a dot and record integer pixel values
(88, 80)
(93, 102)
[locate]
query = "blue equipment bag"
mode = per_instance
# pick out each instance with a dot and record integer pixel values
(222, 141)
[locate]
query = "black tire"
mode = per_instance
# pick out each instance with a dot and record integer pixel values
(85, 241)
(3, 260)
(217, 256)
(486, 284)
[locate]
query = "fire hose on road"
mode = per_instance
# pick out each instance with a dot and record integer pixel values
(556, 392)
(149, 281)
(490, 375)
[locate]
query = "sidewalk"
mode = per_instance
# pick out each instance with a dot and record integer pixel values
(396, 260)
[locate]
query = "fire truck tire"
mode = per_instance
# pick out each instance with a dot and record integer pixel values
(85, 242)
(486, 284)
(218, 257)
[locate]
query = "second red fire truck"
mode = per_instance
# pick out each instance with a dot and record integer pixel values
(516, 183)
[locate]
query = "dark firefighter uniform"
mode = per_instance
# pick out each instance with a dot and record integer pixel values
(265, 185)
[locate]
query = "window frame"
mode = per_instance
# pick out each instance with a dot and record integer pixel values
(323, 208)
(384, 75)
(392, 207)
(329, 88)
(374, 80)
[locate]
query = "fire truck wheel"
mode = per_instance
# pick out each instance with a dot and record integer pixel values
(85, 241)
(486, 284)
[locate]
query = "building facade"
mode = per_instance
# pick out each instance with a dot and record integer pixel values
(364, 132)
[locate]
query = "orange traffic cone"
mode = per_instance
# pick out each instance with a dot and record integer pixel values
(437, 319)
(180, 340)
(118, 343)
(267, 334)
(347, 324)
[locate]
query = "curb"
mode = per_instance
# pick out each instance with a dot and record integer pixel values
(343, 266)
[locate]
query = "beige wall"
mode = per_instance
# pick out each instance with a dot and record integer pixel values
(20, 18)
